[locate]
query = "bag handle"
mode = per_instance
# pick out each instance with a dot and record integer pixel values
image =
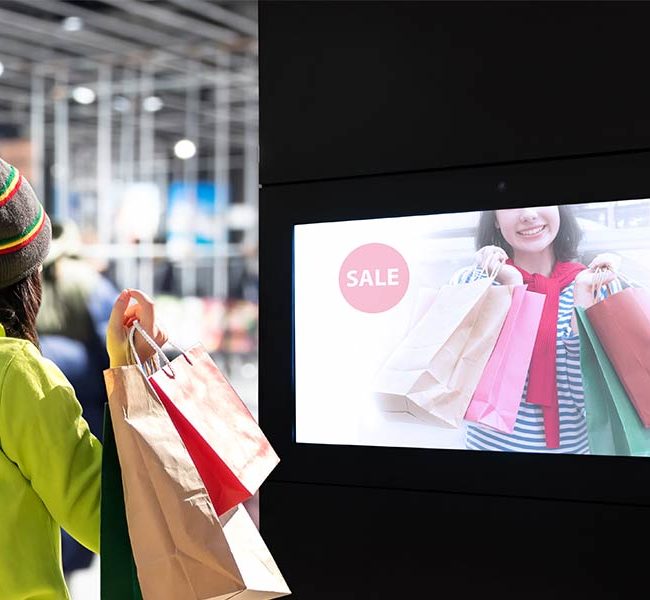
(133, 357)
(492, 275)
(147, 338)
(594, 287)
(597, 283)
(157, 349)
(600, 276)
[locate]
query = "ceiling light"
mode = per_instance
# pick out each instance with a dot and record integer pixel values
(2, 68)
(83, 95)
(72, 24)
(152, 104)
(121, 104)
(185, 149)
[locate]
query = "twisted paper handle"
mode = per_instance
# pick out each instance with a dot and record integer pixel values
(490, 274)
(599, 282)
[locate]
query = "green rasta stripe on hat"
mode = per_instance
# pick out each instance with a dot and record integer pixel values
(10, 186)
(21, 240)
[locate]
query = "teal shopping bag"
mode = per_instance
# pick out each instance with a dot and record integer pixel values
(118, 576)
(613, 424)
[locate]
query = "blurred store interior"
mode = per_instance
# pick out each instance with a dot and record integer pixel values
(136, 121)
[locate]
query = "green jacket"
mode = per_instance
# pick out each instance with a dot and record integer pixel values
(50, 473)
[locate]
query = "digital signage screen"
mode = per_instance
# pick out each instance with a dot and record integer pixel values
(476, 330)
(521, 330)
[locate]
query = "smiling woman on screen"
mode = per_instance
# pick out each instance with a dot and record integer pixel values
(537, 246)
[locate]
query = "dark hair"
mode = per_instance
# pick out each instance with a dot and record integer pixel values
(19, 304)
(565, 244)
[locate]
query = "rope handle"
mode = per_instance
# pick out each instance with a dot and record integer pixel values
(600, 277)
(157, 349)
(491, 275)
(598, 282)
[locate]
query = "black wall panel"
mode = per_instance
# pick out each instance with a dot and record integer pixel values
(346, 543)
(358, 88)
(352, 88)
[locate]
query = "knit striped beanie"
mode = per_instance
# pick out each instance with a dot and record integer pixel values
(25, 230)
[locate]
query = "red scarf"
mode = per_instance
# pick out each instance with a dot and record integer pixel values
(542, 376)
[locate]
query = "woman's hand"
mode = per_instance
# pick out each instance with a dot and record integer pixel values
(492, 257)
(589, 279)
(121, 319)
(602, 271)
(606, 260)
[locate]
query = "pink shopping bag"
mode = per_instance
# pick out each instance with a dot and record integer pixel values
(496, 400)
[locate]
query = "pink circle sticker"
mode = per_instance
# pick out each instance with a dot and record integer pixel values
(374, 278)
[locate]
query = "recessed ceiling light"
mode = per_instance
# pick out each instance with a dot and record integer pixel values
(121, 104)
(152, 104)
(83, 95)
(185, 149)
(72, 24)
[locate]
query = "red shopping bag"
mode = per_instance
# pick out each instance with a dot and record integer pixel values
(228, 448)
(496, 400)
(622, 323)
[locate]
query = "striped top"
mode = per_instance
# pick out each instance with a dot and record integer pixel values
(528, 434)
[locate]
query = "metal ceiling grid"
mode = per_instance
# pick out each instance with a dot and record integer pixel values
(198, 57)
(176, 44)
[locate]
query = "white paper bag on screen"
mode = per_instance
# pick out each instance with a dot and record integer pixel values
(433, 372)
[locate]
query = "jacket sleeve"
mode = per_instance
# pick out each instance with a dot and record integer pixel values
(43, 432)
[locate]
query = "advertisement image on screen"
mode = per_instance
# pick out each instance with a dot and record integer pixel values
(522, 330)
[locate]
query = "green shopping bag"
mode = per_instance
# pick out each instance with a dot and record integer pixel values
(613, 425)
(118, 576)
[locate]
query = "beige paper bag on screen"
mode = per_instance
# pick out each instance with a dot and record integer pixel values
(433, 373)
(181, 549)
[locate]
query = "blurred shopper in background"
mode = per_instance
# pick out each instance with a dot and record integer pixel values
(243, 275)
(71, 324)
(50, 462)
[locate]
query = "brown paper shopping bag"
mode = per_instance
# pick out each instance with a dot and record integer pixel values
(228, 448)
(434, 371)
(182, 550)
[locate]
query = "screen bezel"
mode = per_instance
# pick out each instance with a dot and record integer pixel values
(624, 480)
